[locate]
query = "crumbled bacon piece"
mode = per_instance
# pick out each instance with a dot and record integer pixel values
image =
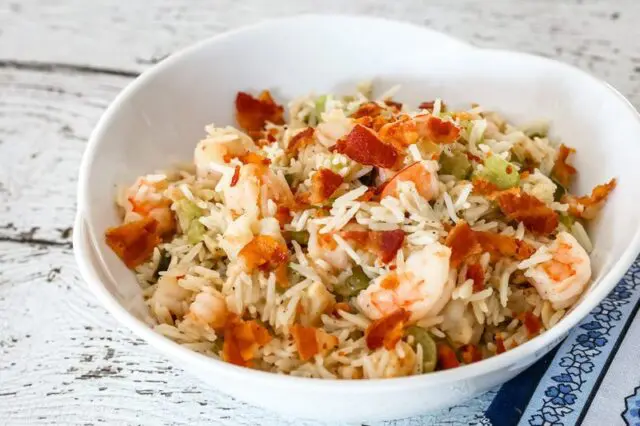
(311, 341)
(500, 345)
(447, 357)
(470, 354)
(263, 252)
(283, 215)
(588, 206)
(384, 244)
(134, 242)
(427, 105)
(368, 109)
(323, 184)
(341, 306)
(300, 140)
(476, 273)
(531, 323)
(282, 278)
(364, 147)
(368, 196)
(484, 187)
(463, 243)
(400, 134)
(437, 130)
(235, 177)
(536, 216)
(252, 113)
(327, 242)
(563, 171)
(242, 339)
(503, 246)
(395, 106)
(387, 331)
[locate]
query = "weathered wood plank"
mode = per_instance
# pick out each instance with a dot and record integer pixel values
(45, 121)
(65, 360)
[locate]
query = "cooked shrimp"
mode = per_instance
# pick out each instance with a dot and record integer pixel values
(562, 279)
(209, 308)
(421, 288)
(244, 196)
(323, 246)
(145, 198)
(424, 174)
(170, 295)
(221, 143)
(237, 235)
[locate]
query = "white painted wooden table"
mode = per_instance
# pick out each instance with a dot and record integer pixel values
(63, 359)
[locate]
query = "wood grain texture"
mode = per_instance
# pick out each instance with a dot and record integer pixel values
(63, 359)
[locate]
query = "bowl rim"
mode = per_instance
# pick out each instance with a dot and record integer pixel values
(522, 355)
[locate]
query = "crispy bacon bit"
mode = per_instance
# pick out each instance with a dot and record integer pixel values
(323, 184)
(500, 345)
(283, 215)
(525, 208)
(254, 158)
(589, 205)
(563, 171)
(369, 109)
(368, 196)
(470, 354)
(134, 242)
(437, 130)
(387, 331)
(341, 306)
(447, 357)
(395, 106)
(427, 105)
(416, 173)
(463, 243)
(252, 113)
(235, 177)
(476, 273)
(300, 141)
(532, 324)
(503, 246)
(242, 339)
(484, 187)
(311, 341)
(263, 252)
(327, 242)
(363, 146)
(384, 244)
(399, 134)
(390, 282)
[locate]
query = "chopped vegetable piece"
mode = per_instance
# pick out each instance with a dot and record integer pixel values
(134, 242)
(429, 350)
(364, 147)
(499, 172)
(560, 190)
(353, 285)
(321, 102)
(457, 165)
(567, 220)
(301, 237)
(387, 331)
(196, 232)
(187, 212)
(447, 357)
(536, 216)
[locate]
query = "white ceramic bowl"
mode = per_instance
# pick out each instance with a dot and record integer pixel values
(158, 119)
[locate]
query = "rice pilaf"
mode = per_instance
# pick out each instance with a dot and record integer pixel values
(360, 239)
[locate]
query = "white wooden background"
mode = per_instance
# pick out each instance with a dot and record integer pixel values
(63, 359)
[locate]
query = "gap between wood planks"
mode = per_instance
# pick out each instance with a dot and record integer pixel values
(67, 68)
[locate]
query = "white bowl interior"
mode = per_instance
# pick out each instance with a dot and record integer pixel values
(158, 120)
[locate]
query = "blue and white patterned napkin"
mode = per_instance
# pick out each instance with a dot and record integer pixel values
(592, 378)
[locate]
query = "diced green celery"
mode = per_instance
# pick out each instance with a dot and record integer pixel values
(163, 264)
(301, 237)
(499, 172)
(427, 148)
(429, 351)
(321, 102)
(457, 165)
(560, 190)
(567, 220)
(196, 232)
(353, 285)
